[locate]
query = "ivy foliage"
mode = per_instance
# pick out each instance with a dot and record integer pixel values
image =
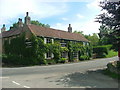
(85, 52)
(19, 52)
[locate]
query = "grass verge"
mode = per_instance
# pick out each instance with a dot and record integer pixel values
(111, 53)
(111, 74)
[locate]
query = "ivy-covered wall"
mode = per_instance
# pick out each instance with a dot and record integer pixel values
(32, 51)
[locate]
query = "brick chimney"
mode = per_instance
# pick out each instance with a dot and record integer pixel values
(70, 28)
(20, 23)
(27, 19)
(3, 28)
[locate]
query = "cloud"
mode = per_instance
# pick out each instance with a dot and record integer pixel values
(60, 26)
(80, 16)
(12, 9)
(88, 27)
(94, 5)
(65, 19)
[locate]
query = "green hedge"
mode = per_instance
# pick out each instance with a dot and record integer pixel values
(101, 51)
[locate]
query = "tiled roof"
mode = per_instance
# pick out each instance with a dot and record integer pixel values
(47, 32)
(11, 33)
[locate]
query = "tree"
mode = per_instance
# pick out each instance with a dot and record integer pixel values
(105, 36)
(40, 24)
(111, 20)
(94, 39)
(15, 25)
(80, 32)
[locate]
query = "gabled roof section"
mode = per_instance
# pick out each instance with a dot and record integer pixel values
(10, 33)
(45, 32)
(49, 32)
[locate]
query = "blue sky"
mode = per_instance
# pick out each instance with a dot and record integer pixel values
(58, 14)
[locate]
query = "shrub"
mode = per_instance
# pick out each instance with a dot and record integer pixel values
(84, 57)
(100, 51)
(62, 60)
(51, 61)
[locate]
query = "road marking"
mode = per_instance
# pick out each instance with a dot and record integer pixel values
(19, 84)
(4, 77)
(15, 82)
(26, 86)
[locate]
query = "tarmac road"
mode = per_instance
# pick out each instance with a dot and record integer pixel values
(74, 75)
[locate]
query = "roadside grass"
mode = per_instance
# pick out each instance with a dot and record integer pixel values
(111, 53)
(111, 74)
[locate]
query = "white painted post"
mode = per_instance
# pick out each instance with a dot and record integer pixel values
(83, 43)
(52, 55)
(45, 55)
(45, 40)
(52, 41)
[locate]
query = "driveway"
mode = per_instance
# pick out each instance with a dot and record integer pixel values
(74, 75)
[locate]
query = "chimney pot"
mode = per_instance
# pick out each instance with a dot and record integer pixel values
(11, 27)
(3, 28)
(18, 19)
(70, 28)
(69, 25)
(20, 23)
(3, 25)
(27, 13)
(27, 19)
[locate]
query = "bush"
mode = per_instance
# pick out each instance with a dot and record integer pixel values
(15, 60)
(62, 60)
(51, 61)
(111, 53)
(84, 57)
(101, 51)
(109, 47)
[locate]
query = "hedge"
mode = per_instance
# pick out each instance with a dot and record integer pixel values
(101, 51)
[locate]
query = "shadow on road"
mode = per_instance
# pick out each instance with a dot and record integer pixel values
(89, 79)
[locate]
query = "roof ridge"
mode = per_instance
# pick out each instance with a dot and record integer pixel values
(56, 29)
(50, 32)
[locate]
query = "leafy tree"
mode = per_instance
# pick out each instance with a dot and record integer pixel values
(80, 32)
(94, 39)
(105, 36)
(15, 25)
(111, 19)
(40, 24)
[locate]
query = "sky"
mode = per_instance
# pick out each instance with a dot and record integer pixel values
(58, 14)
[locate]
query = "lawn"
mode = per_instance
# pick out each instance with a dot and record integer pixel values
(111, 53)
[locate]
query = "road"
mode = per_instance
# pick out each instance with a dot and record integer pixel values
(74, 75)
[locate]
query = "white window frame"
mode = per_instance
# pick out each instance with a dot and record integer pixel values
(48, 55)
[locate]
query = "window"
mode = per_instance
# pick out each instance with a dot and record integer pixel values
(48, 40)
(75, 54)
(49, 55)
(63, 43)
(64, 54)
